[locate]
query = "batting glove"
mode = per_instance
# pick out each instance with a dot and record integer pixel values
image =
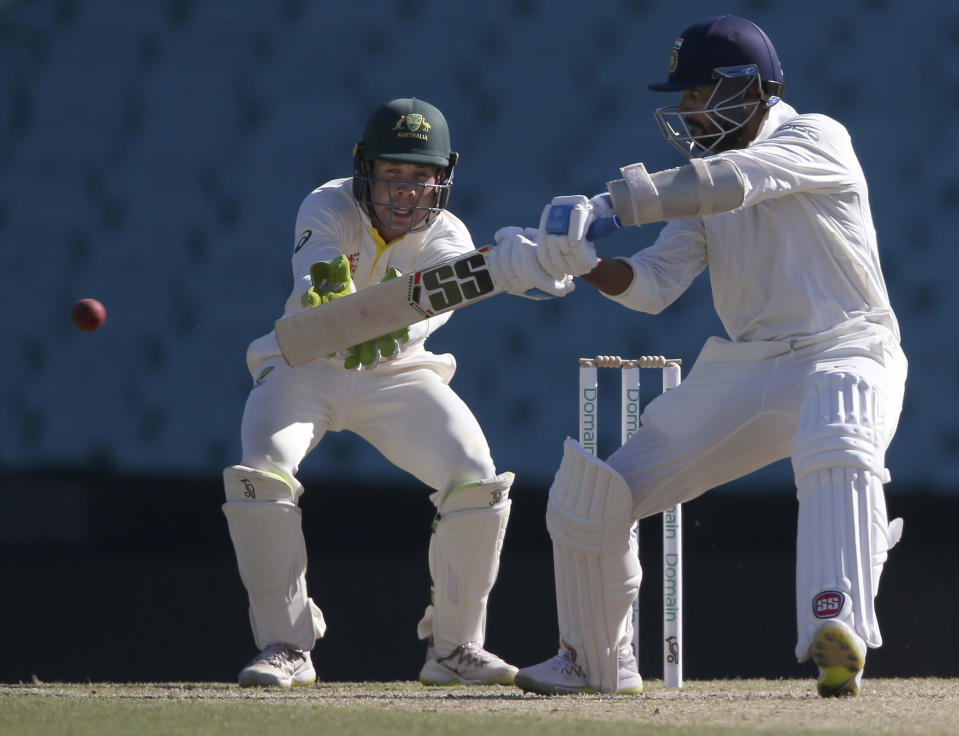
(331, 280)
(369, 354)
(567, 253)
(516, 269)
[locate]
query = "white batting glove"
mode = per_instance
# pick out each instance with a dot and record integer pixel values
(515, 268)
(570, 252)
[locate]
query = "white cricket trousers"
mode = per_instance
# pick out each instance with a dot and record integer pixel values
(737, 410)
(409, 414)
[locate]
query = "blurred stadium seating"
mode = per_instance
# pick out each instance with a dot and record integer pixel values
(153, 155)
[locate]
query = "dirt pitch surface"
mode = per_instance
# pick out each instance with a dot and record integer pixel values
(906, 706)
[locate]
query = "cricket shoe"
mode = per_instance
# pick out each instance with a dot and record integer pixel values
(468, 664)
(279, 665)
(563, 675)
(840, 655)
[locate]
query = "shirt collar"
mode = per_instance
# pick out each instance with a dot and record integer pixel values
(778, 114)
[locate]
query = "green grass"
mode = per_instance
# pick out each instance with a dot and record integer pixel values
(239, 719)
(715, 708)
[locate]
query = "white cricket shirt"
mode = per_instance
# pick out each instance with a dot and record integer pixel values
(798, 258)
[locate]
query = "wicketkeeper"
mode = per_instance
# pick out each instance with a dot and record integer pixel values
(388, 218)
(774, 203)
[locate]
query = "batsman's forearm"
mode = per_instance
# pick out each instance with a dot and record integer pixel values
(611, 276)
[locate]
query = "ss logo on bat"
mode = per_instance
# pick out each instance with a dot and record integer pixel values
(449, 284)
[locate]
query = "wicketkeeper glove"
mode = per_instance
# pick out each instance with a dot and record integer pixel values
(331, 280)
(368, 354)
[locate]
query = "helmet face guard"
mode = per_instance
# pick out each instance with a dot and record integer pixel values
(717, 126)
(431, 199)
(404, 131)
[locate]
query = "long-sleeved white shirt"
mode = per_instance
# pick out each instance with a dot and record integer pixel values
(798, 258)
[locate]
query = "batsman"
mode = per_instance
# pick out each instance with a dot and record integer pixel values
(389, 218)
(775, 204)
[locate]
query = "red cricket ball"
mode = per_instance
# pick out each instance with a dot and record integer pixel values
(89, 315)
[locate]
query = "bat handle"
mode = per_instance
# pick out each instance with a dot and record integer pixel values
(557, 222)
(603, 227)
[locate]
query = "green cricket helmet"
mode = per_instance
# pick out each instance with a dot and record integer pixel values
(405, 130)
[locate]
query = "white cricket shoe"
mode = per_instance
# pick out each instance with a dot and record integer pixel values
(562, 675)
(279, 665)
(840, 655)
(468, 664)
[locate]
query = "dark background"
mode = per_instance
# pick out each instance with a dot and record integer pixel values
(153, 593)
(153, 154)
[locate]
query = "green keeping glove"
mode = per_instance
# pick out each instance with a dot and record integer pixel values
(367, 354)
(331, 280)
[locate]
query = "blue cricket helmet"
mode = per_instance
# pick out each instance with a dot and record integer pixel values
(721, 41)
(738, 59)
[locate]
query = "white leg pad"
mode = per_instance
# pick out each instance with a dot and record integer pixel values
(843, 535)
(589, 516)
(464, 560)
(265, 527)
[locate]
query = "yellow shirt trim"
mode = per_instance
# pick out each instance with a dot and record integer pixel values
(381, 245)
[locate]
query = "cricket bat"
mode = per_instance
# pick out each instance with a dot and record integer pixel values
(392, 305)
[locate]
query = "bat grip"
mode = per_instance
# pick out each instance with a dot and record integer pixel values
(603, 227)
